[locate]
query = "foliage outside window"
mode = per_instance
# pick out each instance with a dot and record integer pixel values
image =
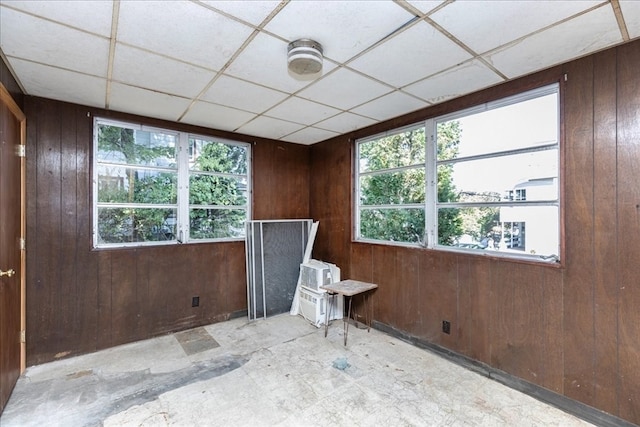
(483, 180)
(156, 186)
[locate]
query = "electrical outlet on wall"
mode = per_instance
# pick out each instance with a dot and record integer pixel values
(446, 327)
(195, 301)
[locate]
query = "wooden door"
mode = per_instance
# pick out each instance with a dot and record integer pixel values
(11, 253)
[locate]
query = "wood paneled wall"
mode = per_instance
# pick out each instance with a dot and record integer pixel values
(80, 300)
(575, 329)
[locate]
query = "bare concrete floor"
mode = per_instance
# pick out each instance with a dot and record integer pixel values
(280, 371)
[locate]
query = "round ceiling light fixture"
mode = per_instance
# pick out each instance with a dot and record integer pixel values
(304, 57)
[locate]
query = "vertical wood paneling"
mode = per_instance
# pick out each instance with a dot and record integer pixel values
(628, 231)
(331, 204)
(280, 180)
(517, 339)
(438, 297)
(389, 289)
(408, 309)
(474, 305)
(553, 330)
(604, 240)
(361, 266)
(578, 284)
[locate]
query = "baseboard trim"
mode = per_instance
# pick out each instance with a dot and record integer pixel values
(571, 406)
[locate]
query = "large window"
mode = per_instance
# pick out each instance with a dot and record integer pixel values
(155, 186)
(483, 179)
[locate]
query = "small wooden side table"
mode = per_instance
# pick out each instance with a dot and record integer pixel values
(349, 289)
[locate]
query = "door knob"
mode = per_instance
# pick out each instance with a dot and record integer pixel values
(7, 273)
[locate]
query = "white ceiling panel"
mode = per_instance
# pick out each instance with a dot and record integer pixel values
(54, 83)
(182, 30)
(253, 12)
(264, 61)
(310, 135)
(343, 28)
(240, 94)
(388, 106)
(424, 6)
(465, 78)
(631, 13)
(301, 111)
(214, 63)
(270, 127)
(344, 89)
(94, 16)
(345, 122)
(416, 52)
(587, 33)
(27, 37)
(149, 71)
(486, 25)
(146, 103)
(216, 116)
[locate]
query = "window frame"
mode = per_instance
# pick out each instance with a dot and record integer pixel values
(183, 172)
(431, 204)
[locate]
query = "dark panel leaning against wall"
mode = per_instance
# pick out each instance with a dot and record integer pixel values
(81, 300)
(572, 330)
(10, 83)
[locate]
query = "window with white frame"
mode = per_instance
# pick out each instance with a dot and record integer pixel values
(157, 186)
(473, 180)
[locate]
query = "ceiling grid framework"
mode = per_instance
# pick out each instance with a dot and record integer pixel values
(223, 64)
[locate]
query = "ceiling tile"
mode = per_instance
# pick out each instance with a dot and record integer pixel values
(54, 83)
(302, 111)
(268, 127)
(27, 37)
(253, 12)
(425, 6)
(574, 38)
(344, 30)
(254, 98)
(409, 56)
(344, 89)
(143, 102)
(310, 135)
(463, 79)
(149, 71)
(388, 106)
(345, 122)
(182, 30)
(264, 62)
(216, 116)
(485, 25)
(631, 12)
(92, 16)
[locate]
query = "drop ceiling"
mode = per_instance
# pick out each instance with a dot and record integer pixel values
(223, 64)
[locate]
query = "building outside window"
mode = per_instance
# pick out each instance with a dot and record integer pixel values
(473, 180)
(157, 186)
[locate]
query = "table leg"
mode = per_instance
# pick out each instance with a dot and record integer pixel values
(327, 310)
(346, 325)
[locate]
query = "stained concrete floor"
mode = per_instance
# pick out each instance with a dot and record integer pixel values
(281, 371)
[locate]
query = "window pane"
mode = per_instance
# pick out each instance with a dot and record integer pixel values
(217, 223)
(129, 185)
(530, 230)
(122, 225)
(398, 225)
(405, 187)
(478, 228)
(217, 190)
(212, 156)
(403, 149)
(525, 124)
(136, 147)
(498, 178)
